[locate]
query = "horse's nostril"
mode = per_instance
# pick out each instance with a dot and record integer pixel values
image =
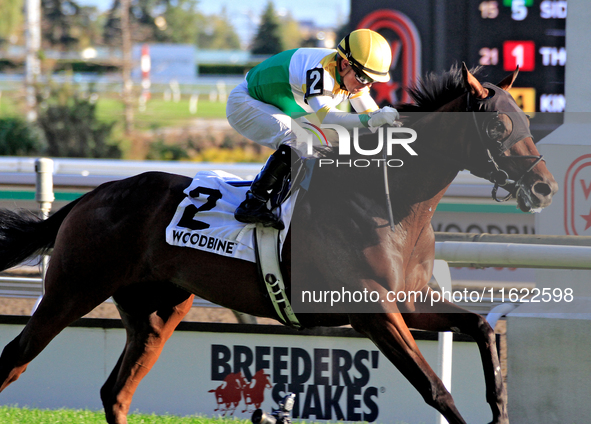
(542, 189)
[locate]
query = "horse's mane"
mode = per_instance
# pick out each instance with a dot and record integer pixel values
(363, 190)
(429, 94)
(434, 91)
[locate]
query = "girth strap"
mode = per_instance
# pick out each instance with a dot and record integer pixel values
(267, 253)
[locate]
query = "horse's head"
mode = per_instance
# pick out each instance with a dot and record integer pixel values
(511, 159)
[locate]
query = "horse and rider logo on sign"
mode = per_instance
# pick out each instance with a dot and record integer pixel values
(327, 383)
(236, 387)
(577, 197)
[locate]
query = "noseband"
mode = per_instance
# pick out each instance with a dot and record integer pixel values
(495, 148)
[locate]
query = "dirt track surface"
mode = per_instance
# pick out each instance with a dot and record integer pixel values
(19, 306)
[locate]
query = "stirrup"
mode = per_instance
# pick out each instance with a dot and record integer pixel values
(257, 214)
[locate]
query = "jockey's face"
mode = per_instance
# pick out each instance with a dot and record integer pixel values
(351, 81)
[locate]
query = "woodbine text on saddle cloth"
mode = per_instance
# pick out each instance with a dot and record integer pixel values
(204, 220)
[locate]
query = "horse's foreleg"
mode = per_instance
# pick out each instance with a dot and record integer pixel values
(146, 336)
(445, 316)
(391, 335)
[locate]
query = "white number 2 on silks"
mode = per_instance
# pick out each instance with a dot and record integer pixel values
(188, 219)
(314, 82)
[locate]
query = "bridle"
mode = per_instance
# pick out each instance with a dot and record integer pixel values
(494, 148)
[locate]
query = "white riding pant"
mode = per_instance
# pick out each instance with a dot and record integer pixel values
(263, 123)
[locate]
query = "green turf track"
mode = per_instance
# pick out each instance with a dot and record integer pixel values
(15, 415)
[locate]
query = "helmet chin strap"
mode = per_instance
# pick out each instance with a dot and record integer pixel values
(343, 72)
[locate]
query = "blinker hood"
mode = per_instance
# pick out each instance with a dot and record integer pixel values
(499, 99)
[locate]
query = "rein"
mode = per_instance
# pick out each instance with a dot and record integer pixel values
(388, 199)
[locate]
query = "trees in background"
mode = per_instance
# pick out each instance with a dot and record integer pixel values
(181, 23)
(67, 117)
(19, 138)
(278, 32)
(268, 37)
(67, 126)
(291, 35)
(68, 26)
(64, 24)
(217, 33)
(177, 21)
(67, 123)
(11, 18)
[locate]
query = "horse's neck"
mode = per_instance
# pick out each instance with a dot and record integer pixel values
(442, 149)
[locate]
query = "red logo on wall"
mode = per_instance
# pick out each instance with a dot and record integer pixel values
(235, 388)
(577, 197)
(519, 53)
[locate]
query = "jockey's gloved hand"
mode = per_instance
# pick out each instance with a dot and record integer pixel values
(384, 116)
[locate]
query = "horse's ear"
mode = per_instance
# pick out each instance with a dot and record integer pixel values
(472, 84)
(509, 80)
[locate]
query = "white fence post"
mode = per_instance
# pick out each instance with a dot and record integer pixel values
(221, 88)
(45, 197)
(193, 103)
(445, 348)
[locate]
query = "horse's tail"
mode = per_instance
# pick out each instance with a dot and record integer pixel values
(23, 234)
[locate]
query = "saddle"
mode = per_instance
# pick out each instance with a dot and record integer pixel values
(204, 220)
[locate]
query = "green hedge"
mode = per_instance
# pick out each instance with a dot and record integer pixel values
(7, 65)
(224, 69)
(82, 66)
(19, 138)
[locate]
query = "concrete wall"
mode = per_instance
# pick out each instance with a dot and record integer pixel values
(71, 370)
(549, 370)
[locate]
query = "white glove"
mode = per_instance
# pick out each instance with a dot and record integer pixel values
(386, 115)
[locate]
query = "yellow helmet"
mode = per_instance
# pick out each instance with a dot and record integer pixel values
(368, 52)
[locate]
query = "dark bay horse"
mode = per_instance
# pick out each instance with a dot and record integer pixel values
(111, 242)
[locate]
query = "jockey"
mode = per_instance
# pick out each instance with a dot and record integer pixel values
(309, 83)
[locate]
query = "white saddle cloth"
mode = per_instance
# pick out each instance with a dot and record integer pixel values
(204, 220)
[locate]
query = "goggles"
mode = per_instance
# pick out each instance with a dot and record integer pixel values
(361, 77)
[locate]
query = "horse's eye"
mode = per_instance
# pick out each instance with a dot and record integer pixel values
(495, 129)
(499, 127)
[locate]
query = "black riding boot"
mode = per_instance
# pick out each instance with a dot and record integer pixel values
(254, 208)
